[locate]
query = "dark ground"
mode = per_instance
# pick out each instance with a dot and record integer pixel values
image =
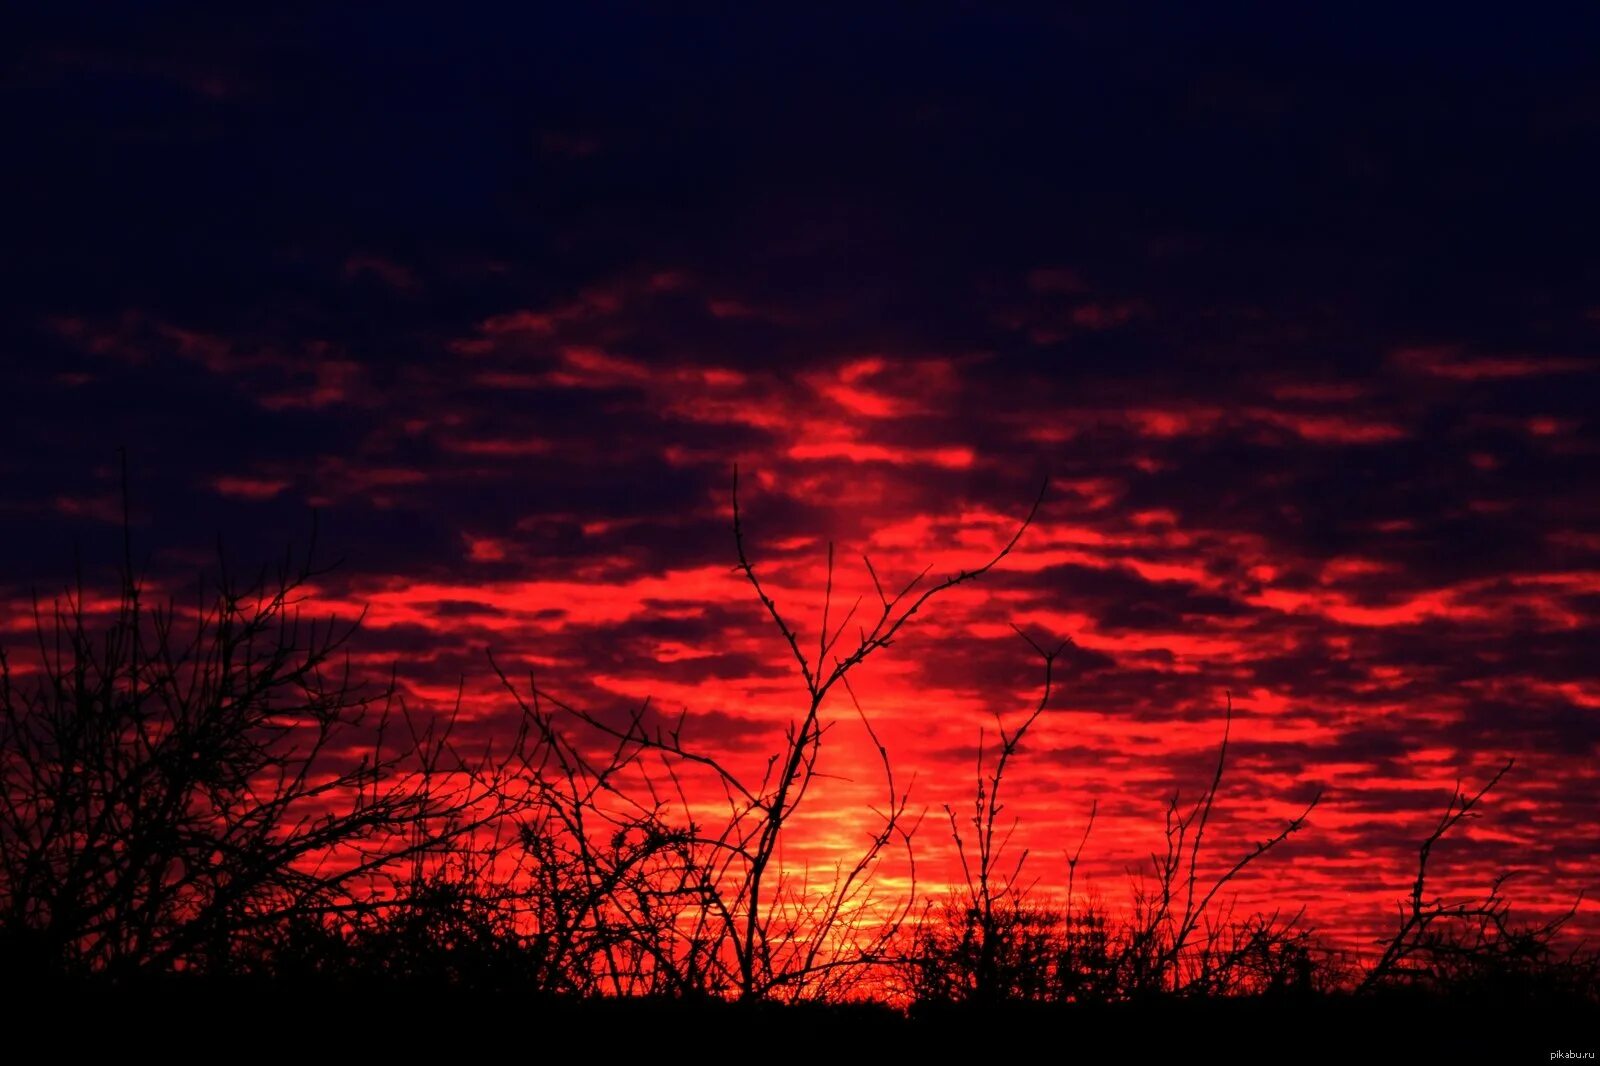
(191, 1021)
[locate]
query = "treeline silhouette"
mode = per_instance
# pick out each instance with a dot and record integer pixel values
(202, 791)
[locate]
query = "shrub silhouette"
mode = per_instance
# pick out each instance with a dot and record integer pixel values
(204, 788)
(758, 931)
(1473, 948)
(991, 944)
(185, 786)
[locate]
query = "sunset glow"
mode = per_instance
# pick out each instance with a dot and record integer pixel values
(1308, 373)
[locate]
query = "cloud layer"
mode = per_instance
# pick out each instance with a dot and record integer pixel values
(1308, 359)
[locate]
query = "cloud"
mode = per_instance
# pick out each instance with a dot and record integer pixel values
(1303, 361)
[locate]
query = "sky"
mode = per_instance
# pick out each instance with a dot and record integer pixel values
(1297, 317)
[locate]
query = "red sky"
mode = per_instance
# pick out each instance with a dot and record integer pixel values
(1308, 360)
(1356, 673)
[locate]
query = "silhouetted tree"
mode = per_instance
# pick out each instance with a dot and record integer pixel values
(189, 778)
(1473, 947)
(996, 946)
(203, 786)
(769, 932)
